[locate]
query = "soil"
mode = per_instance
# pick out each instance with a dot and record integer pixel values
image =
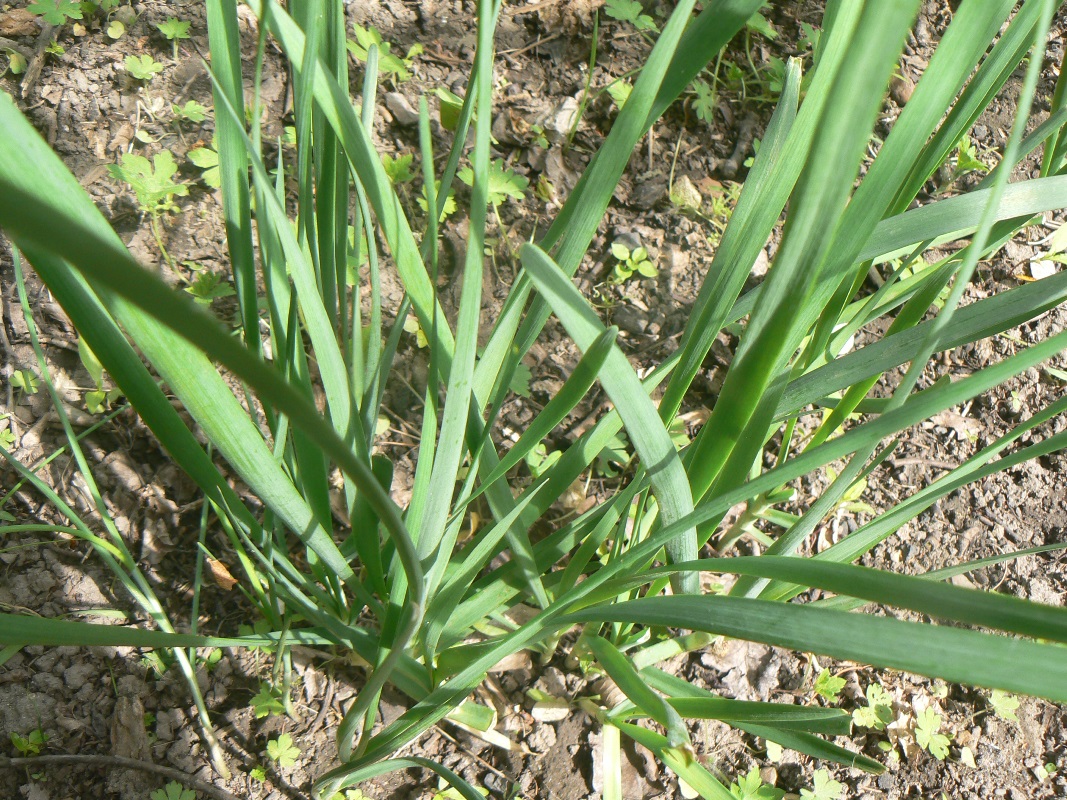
(115, 702)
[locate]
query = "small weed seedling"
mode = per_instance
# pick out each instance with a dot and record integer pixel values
(879, 710)
(632, 12)
(207, 158)
(31, 744)
(97, 400)
(207, 286)
(449, 207)
(154, 186)
(752, 787)
(25, 382)
(267, 701)
(826, 788)
(390, 65)
(143, 67)
(192, 111)
(398, 169)
(503, 183)
(928, 735)
(1004, 705)
(173, 791)
(282, 751)
(58, 12)
(174, 29)
(829, 686)
(630, 261)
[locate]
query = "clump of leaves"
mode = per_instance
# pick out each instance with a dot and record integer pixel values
(825, 788)
(1004, 705)
(152, 181)
(173, 791)
(928, 735)
(191, 111)
(628, 261)
(630, 11)
(174, 29)
(751, 787)
(398, 68)
(207, 158)
(31, 744)
(449, 207)
(829, 686)
(25, 381)
(398, 169)
(282, 751)
(208, 286)
(56, 13)
(142, 67)
(879, 709)
(267, 701)
(503, 183)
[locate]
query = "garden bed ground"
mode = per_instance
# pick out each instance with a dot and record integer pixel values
(111, 702)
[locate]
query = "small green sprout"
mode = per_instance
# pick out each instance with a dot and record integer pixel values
(283, 751)
(539, 460)
(450, 105)
(392, 66)
(258, 774)
(758, 23)
(879, 710)
(174, 29)
(31, 744)
(267, 701)
(829, 686)
(16, 63)
(209, 286)
(631, 261)
(967, 159)
(398, 169)
(826, 788)
(350, 794)
(630, 11)
(1004, 705)
(192, 111)
(143, 67)
(752, 787)
(152, 182)
(207, 158)
(503, 183)
(927, 735)
(7, 438)
(620, 91)
(704, 103)
(116, 30)
(173, 791)
(450, 203)
(25, 381)
(56, 13)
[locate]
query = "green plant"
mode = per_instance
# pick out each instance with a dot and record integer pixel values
(175, 30)
(829, 686)
(1004, 705)
(825, 788)
(173, 791)
(267, 701)
(154, 185)
(207, 159)
(628, 261)
(397, 68)
(142, 67)
(58, 12)
(879, 709)
(503, 182)
(31, 744)
(398, 169)
(928, 735)
(402, 589)
(630, 11)
(25, 381)
(191, 110)
(751, 787)
(282, 751)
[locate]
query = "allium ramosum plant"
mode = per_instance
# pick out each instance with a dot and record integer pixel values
(395, 584)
